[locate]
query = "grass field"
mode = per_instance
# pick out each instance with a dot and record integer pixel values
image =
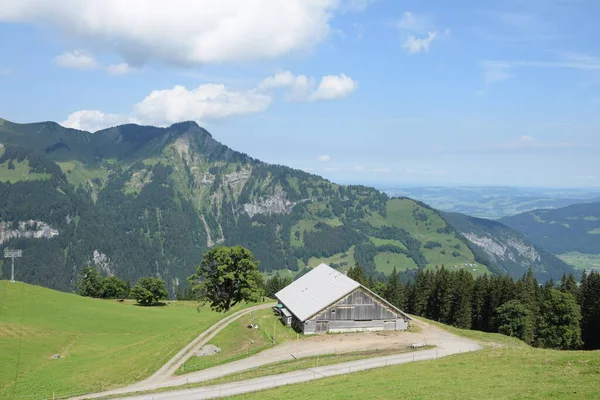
(386, 262)
(504, 369)
(78, 175)
(582, 261)
(236, 341)
(21, 172)
(102, 343)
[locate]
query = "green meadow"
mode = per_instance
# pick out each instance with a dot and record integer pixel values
(102, 343)
(237, 341)
(504, 369)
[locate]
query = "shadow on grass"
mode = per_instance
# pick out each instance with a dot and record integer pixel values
(157, 304)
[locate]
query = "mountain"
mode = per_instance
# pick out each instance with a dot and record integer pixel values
(575, 228)
(136, 200)
(493, 202)
(502, 248)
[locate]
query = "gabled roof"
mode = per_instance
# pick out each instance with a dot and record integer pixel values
(316, 290)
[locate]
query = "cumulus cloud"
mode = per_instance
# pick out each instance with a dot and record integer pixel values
(418, 32)
(119, 69)
(302, 88)
(324, 158)
(184, 32)
(209, 101)
(213, 101)
(94, 120)
(77, 59)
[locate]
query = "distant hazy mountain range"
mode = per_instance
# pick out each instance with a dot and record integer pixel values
(494, 202)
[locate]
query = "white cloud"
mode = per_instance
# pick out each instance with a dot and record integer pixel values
(413, 45)
(209, 101)
(302, 88)
(165, 107)
(358, 168)
(418, 32)
(4, 71)
(324, 158)
(334, 87)
(77, 59)
(184, 32)
(213, 101)
(120, 69)
(94, 120)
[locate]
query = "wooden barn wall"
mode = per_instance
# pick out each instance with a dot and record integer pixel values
(357, 306)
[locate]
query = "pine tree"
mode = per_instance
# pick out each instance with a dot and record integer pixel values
(394, 291)
(478, 301)
(358, 274)
(460, 303)
(569, 285)
(439, 304)
(590, 310)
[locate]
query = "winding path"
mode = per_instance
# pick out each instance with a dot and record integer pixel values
(445, 342)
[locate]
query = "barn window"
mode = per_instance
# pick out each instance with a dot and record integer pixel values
(333, 311)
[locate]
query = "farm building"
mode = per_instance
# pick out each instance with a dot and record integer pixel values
(325, 300)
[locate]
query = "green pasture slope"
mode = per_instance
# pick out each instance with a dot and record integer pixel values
(102, 343)
(505, 369)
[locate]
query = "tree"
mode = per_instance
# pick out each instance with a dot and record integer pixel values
(91, 283)
(275, 284)
(358, 274)
(568, 284)
(394, 290)
(559, 321)
(516, 320)
(115, 288)
(590, 309)
(149, 290)
(227, 276)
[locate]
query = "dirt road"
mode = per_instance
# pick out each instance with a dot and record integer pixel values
(445, 342)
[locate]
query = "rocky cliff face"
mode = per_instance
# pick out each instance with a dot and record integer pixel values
(31, 229)
(269, 205)
(512, 249)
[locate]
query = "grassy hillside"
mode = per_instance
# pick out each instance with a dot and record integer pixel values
(504, 369)
(102, 344)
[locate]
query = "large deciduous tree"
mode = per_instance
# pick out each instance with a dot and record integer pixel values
(559, 321)
(149, 291)
(227, 276)
(514, 319)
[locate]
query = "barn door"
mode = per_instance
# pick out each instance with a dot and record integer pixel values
(322, 326)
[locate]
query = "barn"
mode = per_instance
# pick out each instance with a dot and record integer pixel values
(325, 300)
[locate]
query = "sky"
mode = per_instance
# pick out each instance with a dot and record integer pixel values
(366, 91)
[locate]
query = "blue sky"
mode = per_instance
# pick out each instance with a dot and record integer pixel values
(370, 91)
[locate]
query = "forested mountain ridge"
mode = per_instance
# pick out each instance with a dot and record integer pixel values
(501, 247)
(135, 200)
(575, 228)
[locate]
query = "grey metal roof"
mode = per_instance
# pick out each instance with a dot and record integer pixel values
(316, 290)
